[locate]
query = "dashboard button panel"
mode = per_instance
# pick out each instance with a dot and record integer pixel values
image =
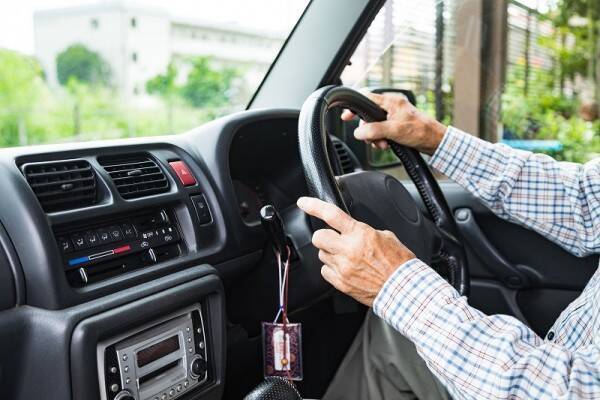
(119, 245)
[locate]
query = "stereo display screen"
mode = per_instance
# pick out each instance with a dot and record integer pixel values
(157, 350)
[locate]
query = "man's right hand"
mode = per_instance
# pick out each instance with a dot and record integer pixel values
(404, 125)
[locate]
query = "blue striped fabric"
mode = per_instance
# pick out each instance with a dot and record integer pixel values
(498, 357)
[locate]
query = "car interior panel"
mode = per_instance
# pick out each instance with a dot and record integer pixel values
(140, 268)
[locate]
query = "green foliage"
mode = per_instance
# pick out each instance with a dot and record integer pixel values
(78, 62)
(544, 112)
(207, 86)
(21, 86)
(31, 113)
(164, 85)
(551, 117)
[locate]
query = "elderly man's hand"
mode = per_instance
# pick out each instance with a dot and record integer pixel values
(358, 259)
(405, 125)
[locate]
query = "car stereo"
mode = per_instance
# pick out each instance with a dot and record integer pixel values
(162, 361)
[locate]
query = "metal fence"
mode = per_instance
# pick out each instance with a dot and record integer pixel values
(529, 62)
(410, 45)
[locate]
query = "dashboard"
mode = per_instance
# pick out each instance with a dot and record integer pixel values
(102, 242)
(265, 167)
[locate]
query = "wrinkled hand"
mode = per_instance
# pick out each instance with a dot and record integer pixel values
(358, 259)
(405, 125)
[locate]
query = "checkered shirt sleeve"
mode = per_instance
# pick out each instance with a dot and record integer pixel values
(498, 357)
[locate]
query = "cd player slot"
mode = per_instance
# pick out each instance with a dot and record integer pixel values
(159, 373)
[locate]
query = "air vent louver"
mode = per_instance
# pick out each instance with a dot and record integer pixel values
(62, 185)
(135, 176)
(346, 162)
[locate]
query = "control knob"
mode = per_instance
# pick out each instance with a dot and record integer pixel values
(124, 395)
(198, 367)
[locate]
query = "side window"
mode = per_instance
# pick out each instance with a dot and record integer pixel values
(409, 45)
(522, 72)
(552, 83)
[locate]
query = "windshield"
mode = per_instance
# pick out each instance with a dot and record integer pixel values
(80, 70)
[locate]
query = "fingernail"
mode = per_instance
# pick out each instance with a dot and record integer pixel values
(301, 202)
(359, 133)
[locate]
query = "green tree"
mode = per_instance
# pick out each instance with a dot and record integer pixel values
(207, 86)
(20, 86)
(78, 62)
(581, 19)
(165, 86)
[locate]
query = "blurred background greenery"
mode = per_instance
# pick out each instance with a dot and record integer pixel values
(86, 107)
(555, 102)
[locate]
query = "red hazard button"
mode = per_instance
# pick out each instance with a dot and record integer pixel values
(183, 172)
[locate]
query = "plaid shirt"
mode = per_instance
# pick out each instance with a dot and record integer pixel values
(478, 356)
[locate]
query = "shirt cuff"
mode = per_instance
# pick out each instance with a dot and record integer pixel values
(411, 296)
(457, 154)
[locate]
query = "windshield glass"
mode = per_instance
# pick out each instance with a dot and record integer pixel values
(80, 70)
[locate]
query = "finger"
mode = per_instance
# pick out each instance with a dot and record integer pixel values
(331, 276)
(347, 115)
(373, 130)
(332, 215)
(381, 144)
(328, 240)
(327, 258)
(376, 98)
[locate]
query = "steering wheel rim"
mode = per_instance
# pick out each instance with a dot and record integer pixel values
(321, 181)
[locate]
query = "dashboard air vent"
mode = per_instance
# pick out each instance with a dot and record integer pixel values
(343, 155)
(135, 176)
(62, 185)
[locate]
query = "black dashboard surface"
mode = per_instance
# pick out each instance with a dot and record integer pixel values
(216, 242)
(238, 140)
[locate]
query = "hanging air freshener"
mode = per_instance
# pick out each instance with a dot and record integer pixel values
(282, 341)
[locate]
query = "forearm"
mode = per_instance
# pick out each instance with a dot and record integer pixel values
(478, 356)
(556, 199)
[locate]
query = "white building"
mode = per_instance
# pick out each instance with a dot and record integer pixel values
(138, 42)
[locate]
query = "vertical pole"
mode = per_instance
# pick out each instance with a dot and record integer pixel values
(388, 36)
(493, 64)
(439, 59)
(563, 41)
(467, 74)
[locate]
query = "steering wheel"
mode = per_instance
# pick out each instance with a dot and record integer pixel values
(376, 198)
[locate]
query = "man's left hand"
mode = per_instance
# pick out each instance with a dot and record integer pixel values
(358, 259)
